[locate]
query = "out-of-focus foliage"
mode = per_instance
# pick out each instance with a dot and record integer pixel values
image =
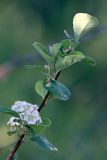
(79, 125)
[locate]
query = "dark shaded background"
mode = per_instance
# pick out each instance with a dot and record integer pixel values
(79, 126)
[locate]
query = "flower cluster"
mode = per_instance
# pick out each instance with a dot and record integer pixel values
(28, 114)
(14, 122)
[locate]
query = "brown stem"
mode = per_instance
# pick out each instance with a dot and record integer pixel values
(6, 147)
(47, 95)
(19, 142)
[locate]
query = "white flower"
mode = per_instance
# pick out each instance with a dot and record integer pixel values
(21, 106)
(14, 122)
(27, 112)
(31, 117)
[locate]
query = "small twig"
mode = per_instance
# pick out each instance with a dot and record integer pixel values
(47, 95)
(44, 101)
(6, 147)
(19, 142)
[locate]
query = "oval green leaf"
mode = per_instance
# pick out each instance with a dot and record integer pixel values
(58, 90)
(37, 129)
(40, 88)
(10, 133)
(9, 111)
(55, 49)
(68, 43)
(42, 141)
(43, 51)
(89, 60)
(64, 62)
(35, 67)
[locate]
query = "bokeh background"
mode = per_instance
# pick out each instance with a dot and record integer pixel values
(79, 126)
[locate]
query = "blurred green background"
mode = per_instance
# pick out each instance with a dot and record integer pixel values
(79, 126)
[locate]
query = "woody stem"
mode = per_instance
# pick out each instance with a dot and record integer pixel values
(20, 140)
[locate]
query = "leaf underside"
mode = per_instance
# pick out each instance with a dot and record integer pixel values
(8, 111)
(58, 89)
(42, 141)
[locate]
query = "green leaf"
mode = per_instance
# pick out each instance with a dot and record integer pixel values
(67, 46)
(82, 23)
(58, 90)
(10, 133)
(40, 88)
(43, 51)
(55, 49)
(64, 62)
(15, 157)
(66, 43)
(42, 141)
(37, 129)
(89, 60)
(34, 67)
(8, 111)
(64, 47)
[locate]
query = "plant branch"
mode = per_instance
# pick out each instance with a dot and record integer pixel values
(19, 142)
(47, 95)
(6, 147)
